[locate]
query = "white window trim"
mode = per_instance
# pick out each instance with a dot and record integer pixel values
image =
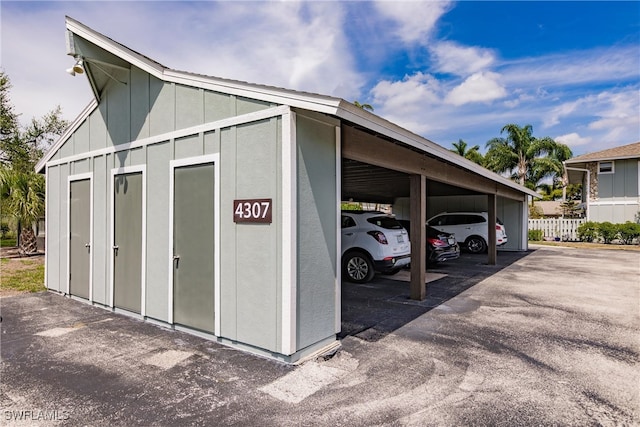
(173, 164)
(613, 167)
(143, 257)
(70, 179)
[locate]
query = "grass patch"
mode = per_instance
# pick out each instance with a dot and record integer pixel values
(589, 245)
(22, 274)
(8, 243)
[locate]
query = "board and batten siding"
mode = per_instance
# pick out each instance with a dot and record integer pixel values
(250, 167)
(618, 196)
(317, 258)
(620, 184)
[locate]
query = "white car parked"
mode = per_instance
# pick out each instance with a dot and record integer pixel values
(470, 228)
(372, 241)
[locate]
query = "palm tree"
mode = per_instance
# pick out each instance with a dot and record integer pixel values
(363, 106)
(472, 153)
(520, 153)
(23, 198)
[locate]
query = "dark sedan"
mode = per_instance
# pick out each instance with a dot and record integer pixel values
(441, 246)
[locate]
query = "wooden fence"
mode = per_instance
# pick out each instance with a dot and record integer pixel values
(563, 228)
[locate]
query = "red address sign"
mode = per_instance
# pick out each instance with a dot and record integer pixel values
(252, 210)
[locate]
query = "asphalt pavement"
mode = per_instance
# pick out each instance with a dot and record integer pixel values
(547, 337)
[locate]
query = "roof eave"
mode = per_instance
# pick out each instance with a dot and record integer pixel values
(577, 160)
(66, 135)
(315, 102)
(352, 113)
(115, 48)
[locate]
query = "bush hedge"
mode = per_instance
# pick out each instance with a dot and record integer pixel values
(536, 235)
(607, 232)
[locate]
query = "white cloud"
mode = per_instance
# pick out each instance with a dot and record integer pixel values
(453, 58)
(415, 19)
(554, 116)
(606, 110)
(619, 116)
(573, 68)
(408, 95)
(479, 87)
(314, 48)
(572, 139)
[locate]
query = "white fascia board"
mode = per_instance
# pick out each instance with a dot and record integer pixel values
(601, 159)
(313, 102)
(350, 112)
(116, 49)
(67, 134)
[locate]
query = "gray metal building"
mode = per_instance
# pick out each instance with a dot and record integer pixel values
(213, 205)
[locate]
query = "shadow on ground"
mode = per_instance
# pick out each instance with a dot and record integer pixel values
(371, 311)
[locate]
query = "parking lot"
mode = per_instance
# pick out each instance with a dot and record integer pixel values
(547, 337)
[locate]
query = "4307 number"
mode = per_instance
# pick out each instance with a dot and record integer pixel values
(252, 210)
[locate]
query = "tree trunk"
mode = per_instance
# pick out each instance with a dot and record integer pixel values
(28, 242)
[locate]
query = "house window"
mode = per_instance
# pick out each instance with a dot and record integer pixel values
(605, 167)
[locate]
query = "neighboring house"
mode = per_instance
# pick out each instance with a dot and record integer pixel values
(550, 208)
(553, 209)
(611, 182)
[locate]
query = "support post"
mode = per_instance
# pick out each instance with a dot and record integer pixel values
(418, 236)
(492, 248)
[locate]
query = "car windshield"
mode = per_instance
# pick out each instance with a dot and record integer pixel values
(385, 222)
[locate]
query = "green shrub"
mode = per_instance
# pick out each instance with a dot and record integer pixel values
(349, 206)
(628, 231)
(535, 212)
(588, 231)
(4, 230)
(607, 231)
(536, 235)
(8, 243)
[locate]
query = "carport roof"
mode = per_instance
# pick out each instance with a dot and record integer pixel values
(125, 57)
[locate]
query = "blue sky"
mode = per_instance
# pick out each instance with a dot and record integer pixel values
(444, 70)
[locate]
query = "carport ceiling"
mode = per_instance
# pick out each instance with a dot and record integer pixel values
(368, 183)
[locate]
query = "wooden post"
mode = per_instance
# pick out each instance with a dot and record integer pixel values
(418, 216)
(492, 249)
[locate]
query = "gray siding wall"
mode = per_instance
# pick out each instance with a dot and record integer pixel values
(620, 184)
(617, 214)
(251, 253)
(316, 228)
(250, 167)
(618, 195)
(511, 213)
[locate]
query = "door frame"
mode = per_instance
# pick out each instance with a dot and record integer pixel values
(70, 179)
(143, 257)
(192, 161)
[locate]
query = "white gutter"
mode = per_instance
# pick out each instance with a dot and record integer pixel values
(588, 189)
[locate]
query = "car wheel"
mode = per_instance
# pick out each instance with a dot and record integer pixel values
(476, 245)
(358, 268)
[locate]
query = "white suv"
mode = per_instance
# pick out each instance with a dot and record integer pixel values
(471, 228)
(372, 241)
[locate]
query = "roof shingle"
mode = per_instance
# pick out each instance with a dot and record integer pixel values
(622, 152)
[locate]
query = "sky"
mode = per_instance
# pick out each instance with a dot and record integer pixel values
(442, 69)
